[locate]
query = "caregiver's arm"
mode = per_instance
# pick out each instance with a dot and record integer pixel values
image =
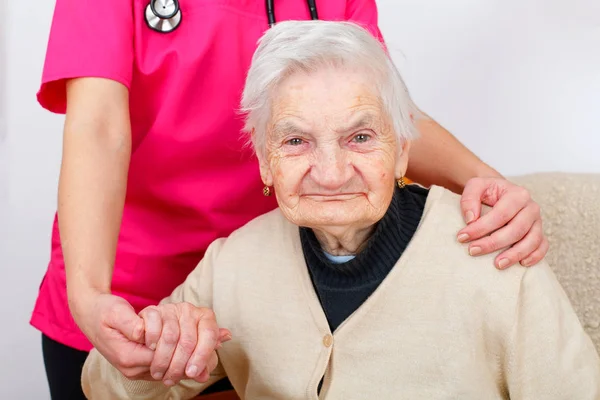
(438, 158)
(93, 180)
(548, 354)
(91, 194)
(514, 222)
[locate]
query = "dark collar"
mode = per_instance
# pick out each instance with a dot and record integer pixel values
(387, 243)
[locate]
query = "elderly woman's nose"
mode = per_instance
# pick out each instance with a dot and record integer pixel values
(331, 169)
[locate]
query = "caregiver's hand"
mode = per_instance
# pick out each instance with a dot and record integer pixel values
(514, 220)
(185, 338)
(115, 330)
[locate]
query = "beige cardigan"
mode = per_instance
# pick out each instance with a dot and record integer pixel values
(442, 325)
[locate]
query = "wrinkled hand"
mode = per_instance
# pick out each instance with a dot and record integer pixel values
(514, 220)
(115, 330)
(184, 339)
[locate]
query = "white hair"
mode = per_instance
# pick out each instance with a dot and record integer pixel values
(306, 46)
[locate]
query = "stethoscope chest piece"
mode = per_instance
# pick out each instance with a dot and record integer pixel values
(163, 15)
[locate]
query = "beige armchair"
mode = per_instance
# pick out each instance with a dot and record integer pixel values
(571, 213)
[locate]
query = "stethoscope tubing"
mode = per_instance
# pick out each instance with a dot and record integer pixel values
(270, 9)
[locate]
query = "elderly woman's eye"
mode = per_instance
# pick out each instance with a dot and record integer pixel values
(295, 142)
(361, 138)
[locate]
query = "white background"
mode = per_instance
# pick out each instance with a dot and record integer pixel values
(517, 81)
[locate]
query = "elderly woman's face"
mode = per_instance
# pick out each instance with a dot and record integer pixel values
(331, 153)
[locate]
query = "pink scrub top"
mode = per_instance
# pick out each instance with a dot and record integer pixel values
(191, 179)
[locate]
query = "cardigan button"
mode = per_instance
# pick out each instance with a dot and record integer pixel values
(327, 340)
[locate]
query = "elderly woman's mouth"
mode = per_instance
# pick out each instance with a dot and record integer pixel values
(332, 197)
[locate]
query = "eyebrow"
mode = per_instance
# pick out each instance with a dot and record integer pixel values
(287, 127)
(360, 120)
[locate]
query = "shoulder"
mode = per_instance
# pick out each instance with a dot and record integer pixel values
(442, 219)
(478, 279)
(436, 242)
(443, 213)
(442, 216)
(269, 231)
(264, 225)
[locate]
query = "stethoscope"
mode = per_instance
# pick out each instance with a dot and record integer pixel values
(165, 15)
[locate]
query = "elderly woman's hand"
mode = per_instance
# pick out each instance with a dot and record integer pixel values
(185, 339)
(514, 220)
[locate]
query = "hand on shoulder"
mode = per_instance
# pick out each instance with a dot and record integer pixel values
(514, 221)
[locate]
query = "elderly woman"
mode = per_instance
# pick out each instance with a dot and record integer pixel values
(354, 288)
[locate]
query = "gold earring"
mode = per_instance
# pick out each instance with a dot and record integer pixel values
(267, 191)
(401, 183)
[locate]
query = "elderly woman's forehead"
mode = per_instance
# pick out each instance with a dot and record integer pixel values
(368, 109)
(347, 98)
(346, 102)
(355, 80)
(338, 100)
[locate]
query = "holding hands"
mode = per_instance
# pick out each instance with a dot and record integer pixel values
(184, 339)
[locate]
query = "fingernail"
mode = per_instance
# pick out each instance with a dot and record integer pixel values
(157, 375)
(192, 371)
(503, 263)
(463, 237)
(152, 346)
(169, 382)
(469, 216)
(526, 262)
(227, 337)
(475, 250)
(219, 345)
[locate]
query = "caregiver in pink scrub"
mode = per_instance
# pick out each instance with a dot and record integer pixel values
(154, 169)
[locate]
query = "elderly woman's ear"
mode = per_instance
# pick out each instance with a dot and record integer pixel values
(265, 171)
(402, 159)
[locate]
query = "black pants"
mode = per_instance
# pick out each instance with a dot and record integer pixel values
(63, 370)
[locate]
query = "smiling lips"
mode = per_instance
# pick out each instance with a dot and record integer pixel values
(332, 197)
